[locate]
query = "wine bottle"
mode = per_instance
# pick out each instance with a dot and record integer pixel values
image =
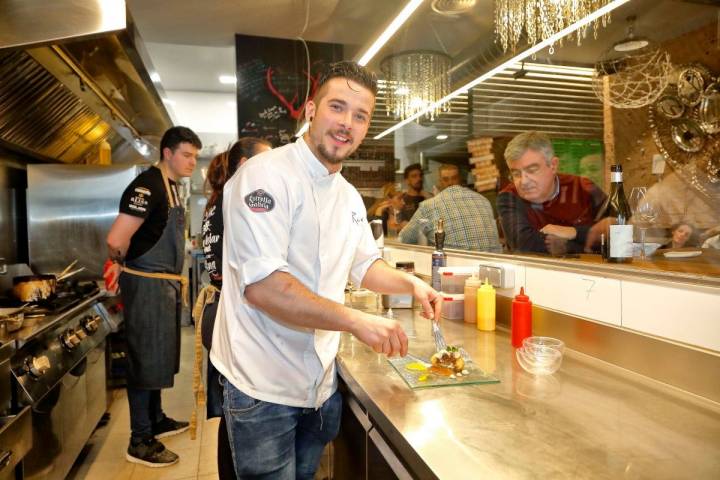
(438, 256)
(619, 243)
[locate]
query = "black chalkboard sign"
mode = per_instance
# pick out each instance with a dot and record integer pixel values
(272, 80)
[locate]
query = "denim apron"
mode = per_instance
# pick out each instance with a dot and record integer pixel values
(153, 306)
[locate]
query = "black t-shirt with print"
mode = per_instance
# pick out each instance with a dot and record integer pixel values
(212, 232)
(146, 198)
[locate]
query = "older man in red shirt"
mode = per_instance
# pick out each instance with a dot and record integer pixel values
(545, 211)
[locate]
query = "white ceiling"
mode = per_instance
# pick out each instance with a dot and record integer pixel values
(191, 43)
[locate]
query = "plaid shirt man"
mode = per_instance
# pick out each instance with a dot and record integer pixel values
(468, 216)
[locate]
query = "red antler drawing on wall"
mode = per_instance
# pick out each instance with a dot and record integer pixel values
(292, 111)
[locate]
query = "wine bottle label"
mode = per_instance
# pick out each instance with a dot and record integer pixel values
(621, 241)
(616, 177)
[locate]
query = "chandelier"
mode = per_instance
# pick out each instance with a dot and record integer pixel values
(538, 20)
(415, 80)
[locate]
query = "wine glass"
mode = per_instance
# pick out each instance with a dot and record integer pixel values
(644, 212)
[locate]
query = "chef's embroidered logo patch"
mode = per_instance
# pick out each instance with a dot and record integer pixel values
(260, 201)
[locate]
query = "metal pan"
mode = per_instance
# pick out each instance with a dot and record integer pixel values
(34, 288)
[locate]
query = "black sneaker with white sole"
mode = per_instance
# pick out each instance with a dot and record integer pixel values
(151, 453)
(168, 427)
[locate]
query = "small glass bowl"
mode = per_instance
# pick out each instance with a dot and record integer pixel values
(539, 360)
(555, 343)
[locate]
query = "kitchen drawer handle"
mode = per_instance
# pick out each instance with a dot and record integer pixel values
(5, 458)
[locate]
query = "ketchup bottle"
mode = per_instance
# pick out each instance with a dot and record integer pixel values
(521, 320)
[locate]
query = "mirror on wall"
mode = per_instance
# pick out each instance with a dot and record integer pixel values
(639, 91)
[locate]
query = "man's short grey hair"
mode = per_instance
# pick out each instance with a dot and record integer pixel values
(536, 141)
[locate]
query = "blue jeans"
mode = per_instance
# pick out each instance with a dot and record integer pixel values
(272, 441)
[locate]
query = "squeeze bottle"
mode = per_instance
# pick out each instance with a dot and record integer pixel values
(471, 289)
(521, 320)
(486, 307)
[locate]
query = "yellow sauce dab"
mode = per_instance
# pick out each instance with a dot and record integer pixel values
(416, 367)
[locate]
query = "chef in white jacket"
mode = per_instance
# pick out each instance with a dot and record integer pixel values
(295, 231)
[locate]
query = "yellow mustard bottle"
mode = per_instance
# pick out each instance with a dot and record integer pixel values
(486, 307)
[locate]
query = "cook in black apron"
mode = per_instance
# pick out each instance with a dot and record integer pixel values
(152, 321)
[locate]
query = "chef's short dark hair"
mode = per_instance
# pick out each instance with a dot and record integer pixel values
(351, 71)
(174, 136)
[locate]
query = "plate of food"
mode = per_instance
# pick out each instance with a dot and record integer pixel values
(682, 254)
(448, 367)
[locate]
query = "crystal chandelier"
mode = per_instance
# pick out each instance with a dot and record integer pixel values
(538, 20)
(415, 80)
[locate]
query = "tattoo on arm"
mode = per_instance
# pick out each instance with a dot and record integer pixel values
(117, 256)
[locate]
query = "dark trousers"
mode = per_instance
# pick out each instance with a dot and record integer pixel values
(145, 411)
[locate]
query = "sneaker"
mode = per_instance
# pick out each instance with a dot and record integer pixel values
(151, 453)
(168, 427)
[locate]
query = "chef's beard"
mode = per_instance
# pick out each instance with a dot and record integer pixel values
(329, 157)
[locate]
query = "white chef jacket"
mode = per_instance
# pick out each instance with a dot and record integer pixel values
(283, 212)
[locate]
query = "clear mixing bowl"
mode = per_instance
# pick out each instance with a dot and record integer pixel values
(545, 342)
(539, 360)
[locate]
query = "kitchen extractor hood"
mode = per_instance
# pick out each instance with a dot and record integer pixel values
(26, 23)
(59, 102)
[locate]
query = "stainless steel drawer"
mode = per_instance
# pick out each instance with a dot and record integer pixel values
(15, 441)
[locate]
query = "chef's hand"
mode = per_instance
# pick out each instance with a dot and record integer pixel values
(111, 274)
(384, 335)
(430, 300)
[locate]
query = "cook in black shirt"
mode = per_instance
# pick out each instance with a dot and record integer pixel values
(146, 198)
(146, 242)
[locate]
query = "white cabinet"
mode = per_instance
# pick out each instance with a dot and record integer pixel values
(589, 296)
(672, 312)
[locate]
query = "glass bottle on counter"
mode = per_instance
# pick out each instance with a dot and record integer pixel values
(619, 236)
(438, 256)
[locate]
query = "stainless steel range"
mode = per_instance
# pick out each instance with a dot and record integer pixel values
(59, 371)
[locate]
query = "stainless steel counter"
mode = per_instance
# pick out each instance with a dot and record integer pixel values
(588, 420)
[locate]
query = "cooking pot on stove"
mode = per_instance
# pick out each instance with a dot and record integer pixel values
(12, 318)
(34, 288)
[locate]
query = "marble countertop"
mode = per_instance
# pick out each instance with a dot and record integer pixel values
(588, 420)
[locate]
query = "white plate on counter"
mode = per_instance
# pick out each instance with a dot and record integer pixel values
(689, 254)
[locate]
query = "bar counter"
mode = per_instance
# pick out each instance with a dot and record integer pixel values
(588, 420)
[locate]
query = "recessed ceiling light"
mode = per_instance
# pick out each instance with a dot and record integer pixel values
(155, 77)
(228, 79)
(442, 136)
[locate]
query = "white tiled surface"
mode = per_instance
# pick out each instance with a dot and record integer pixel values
(104, 455)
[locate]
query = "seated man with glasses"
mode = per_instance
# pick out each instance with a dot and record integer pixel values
(545, 211)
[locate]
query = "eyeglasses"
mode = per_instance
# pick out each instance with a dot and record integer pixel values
(531, 170)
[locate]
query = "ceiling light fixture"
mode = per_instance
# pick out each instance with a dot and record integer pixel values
(416, 78)
(541, 19)
(442, 136)
(397, 22)
(155, 77)
(517, 58)
(228, 79)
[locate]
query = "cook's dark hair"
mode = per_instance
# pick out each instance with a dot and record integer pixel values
(224, 165)
(410, 168)
(351, 71)
(174, 136)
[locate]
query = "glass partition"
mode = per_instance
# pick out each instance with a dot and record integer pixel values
(639, 91)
